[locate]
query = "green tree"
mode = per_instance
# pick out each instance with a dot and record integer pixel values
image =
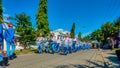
(117, 24)
(87, 38)
(108, 30)
(42, 18)
(24, 28)
(72, 33)
(79, 36)
(1, 11)
(97, 35)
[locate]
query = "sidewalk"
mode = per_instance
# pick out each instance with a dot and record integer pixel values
(110, 59)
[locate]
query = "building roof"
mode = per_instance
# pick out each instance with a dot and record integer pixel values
(59, 32)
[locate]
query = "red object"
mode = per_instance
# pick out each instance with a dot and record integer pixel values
(10, 25)
(3, 53)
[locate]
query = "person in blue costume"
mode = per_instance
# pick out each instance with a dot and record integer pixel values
(66, 41)
(10, 40)
(1, 36)
(58, 45)
(53, 43)
(46, 44)
(74, 44)
(70, 44)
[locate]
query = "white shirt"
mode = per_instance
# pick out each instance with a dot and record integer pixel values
(58, 40)
(70, 41)
(40, 39)
(66, 40)
(54, 39)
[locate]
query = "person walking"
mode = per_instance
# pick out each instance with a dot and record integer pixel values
(66, 41)
(40, 40)
(54, 40)
(10, 40)
(59, 40)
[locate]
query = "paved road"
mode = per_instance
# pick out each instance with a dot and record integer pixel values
(81, 59)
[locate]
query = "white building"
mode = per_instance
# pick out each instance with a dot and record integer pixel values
(60, 32)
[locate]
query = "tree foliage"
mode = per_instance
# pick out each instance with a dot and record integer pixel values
(1, 11)
(97, 35)
(79, 36)
(108, 29)
(87, 38)
(42, 18)
(72, 33)
(117, 24)
(24, 28)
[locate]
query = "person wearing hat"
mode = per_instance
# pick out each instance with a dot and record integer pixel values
(1, 36)
(10, 40)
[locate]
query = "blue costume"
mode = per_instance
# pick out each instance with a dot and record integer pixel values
(70, 45)
(53, 44)
(46, 45)
(9, 37)
(66, 40)
(1, 36)
(58, 45)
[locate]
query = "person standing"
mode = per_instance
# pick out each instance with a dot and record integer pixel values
(10, 40)
(111, 42)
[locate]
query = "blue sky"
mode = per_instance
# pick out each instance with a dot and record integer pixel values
(88, 15)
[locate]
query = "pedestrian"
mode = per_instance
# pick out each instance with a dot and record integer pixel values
(58, 44)
(40, 40)
(70, 42)
(74, 44)
(66, 41)
(10, 40)
(46, 44)
(111, 42)
(54, 40)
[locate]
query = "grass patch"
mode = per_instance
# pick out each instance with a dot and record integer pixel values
(25, 51)
(116, 49)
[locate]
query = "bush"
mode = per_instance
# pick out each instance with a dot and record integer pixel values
(25, 51)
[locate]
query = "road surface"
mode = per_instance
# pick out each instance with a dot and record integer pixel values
(82, 59)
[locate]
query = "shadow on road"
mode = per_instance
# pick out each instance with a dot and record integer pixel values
(94, 65)
(114, 60)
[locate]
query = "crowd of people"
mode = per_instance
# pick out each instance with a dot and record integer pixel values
(57, 44)
(51, 43)
(62, 44)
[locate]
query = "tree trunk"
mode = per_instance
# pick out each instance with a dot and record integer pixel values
(25, 45)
